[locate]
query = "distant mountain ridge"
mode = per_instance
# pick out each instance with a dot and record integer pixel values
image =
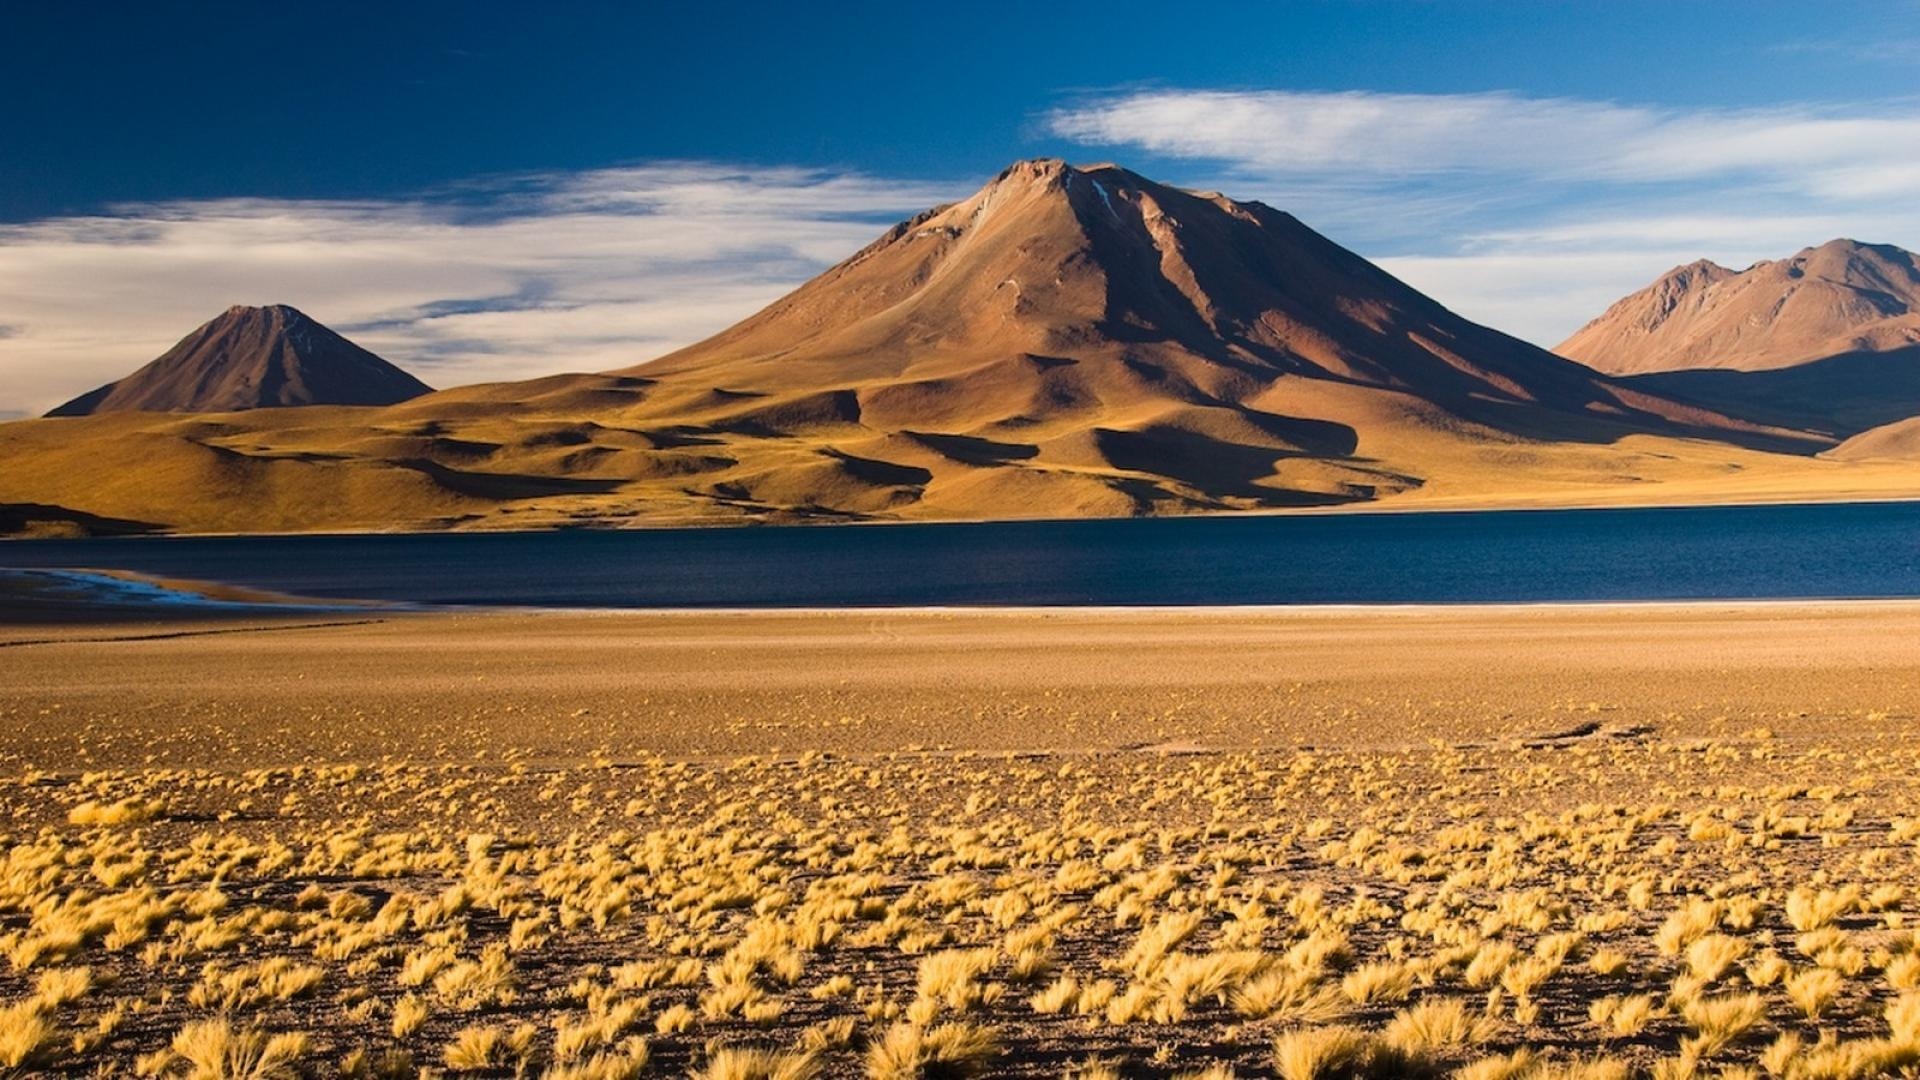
(253, 358)
(1841, 297)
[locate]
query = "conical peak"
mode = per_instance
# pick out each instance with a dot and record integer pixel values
(252, 357)
(1057, 174)
(248, 311)
(1669, 287)
(1033, 172)
(1098, 187)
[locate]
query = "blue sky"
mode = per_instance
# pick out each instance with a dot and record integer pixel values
(488, 191)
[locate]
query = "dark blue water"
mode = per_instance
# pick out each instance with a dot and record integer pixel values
(1849, 550)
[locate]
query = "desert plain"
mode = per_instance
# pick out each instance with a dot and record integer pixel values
(1502, 841)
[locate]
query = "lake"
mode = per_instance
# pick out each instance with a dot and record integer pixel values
(1831, 550)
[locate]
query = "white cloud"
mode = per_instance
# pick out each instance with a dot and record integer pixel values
(1534, 214)
(505, 279)
(1283, 133)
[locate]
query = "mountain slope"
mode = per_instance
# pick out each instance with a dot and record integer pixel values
(1839, 298)
(1897, 441)
(252, 358)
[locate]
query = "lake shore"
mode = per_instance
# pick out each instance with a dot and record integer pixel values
(1726, 495)
(95, 597)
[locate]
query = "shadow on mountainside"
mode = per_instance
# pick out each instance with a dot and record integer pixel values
(1839, 396)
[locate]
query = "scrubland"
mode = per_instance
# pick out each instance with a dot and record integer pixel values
(1733, 896)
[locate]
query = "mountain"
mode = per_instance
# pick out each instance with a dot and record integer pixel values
(253, 358)
(1827, 341)
(1841, 297)
(1066, 342)
(1086, 341)
(1059, 297)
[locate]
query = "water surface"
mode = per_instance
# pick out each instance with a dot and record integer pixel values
(1828, 550)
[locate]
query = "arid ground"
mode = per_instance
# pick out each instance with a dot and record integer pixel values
(1507, 841)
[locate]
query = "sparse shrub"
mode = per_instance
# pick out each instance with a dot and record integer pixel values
(1437, 1026)
(951, 1051)
(26, 1034)
(213, 1050)
(1322, 1053)
(758, 1063)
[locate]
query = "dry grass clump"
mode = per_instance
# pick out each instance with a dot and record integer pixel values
(26, 1035)
(1438, 1027)
(215, 1050)
(489, 1048)
(944, 1052)
(758, 1063)
(124, 812)
(1323, 1053)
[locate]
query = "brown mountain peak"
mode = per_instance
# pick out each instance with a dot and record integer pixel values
(253, 357)
(1697, 270)
(1839, 297)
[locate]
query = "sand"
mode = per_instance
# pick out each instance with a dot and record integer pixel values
(573, 686)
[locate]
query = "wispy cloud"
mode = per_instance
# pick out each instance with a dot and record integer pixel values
(1533, 213)
(503, 279)
(1285, 133)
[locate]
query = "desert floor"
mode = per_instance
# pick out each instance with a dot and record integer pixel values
(1668, 840)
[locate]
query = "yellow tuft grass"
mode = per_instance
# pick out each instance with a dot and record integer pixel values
(910, 1052)
(213, 1050)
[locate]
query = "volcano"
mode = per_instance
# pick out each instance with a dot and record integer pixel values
(1058, 296)
(253, 358)
(1090, 336)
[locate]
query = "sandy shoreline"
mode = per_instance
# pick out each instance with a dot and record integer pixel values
(624, 685)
